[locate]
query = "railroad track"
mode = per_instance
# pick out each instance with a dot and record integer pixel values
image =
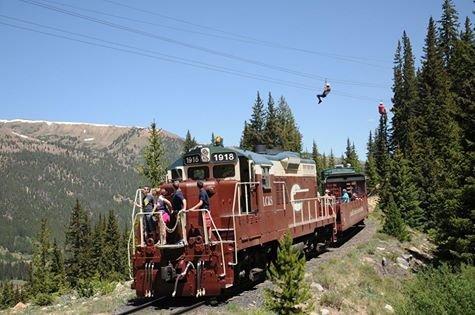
(167, 303)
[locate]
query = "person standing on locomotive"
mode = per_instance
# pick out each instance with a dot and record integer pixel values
(203, 203)
(178, 202)
(148, 207)
(162, 206)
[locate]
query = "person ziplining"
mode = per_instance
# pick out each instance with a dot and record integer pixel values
(381, 109)
(326, 90)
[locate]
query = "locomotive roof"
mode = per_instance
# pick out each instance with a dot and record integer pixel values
(338, 172)
(258, 158)
(266, 159)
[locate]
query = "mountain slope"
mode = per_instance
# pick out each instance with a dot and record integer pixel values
(45, 166)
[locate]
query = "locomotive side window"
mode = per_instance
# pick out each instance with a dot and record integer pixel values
(265, 177)
(177, 174)
(198, 173)
(223, 171)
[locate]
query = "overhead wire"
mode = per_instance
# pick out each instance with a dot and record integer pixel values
(160, 56)
(196, 47)
(226, 36)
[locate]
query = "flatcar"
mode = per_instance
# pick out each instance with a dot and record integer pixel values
(254, 198)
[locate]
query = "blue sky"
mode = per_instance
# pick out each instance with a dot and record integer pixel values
(55, 79)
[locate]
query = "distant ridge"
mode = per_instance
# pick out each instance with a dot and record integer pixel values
(50, 123)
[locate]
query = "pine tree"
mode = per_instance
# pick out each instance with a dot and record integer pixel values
(324, 161)
(289, 132)
(351, 157)
(440, 151)
(78, 247)
(318, 165)
(405, 99)
(271, 132)
(153, 167)
(331, 159)
(112, 248)
(124, 253)
(246, 139)
(448, 30)
(189, 142)
(213, 138)
(57, 268)
(381, 152)
(98, 244)
(370, 166)
(41, 276)
(393, 223)
(457, 233)
(7, 295)
(399, 120)
(290, 293)
(404, 191)
(257, 122)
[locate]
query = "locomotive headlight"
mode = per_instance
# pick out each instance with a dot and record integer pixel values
(205, 156)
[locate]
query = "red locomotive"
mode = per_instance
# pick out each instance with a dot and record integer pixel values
(254, 199)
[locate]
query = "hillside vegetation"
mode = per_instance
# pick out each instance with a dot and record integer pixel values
(46, 166)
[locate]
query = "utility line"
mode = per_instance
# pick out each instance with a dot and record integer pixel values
(152, 54)
(169, 57)
(196, 47)
(233, 37)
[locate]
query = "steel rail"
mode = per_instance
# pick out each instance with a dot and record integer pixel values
(142, 306)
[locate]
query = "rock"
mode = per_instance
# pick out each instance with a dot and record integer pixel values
(324, 311)
(389, 308)
(307, 275)
(419, 253)
(402, 261)
(407, 257)
(369, 259)
(73, 298)
(119, 287)
(96, 298)
(20, 306)
(317, 286)
(381, 248)
(415, 250)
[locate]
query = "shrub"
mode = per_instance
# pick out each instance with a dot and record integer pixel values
(103, 287)
(85, 288)
(332, 299)
(43, 299)
(440, 291)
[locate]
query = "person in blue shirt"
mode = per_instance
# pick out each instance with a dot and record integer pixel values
(178, 200)
(203, 203)
(345, 198)
(178, 204)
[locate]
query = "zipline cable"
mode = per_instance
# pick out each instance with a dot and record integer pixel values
(152, 54)
(196, 47)
(233, 37)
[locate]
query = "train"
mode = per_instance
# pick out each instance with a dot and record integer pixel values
(255, 197)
